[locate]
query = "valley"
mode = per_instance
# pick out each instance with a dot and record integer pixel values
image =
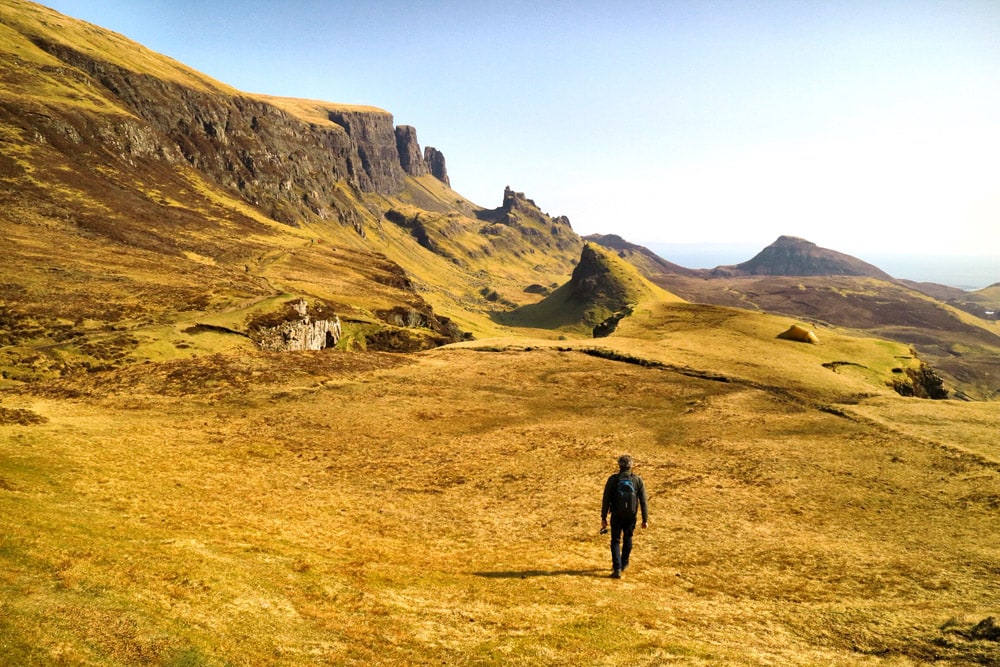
(425, 489)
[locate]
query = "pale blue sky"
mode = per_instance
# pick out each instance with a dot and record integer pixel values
(866, 127)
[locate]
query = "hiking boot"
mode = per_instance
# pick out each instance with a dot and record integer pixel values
(616, 574)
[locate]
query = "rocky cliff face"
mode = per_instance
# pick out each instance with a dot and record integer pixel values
(415, 164)
(435, 162)
(288, 167)
(302, 335)
(409, 151)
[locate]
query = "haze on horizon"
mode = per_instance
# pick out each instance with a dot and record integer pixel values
(872, 128)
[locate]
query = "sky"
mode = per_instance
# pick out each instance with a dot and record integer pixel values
(871, 128)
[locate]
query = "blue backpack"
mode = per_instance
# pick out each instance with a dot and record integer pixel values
(626, 500)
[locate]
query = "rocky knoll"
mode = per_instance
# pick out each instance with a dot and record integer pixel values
(519, 219)
(601, 291)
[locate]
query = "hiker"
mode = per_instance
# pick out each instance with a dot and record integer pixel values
(624, 496)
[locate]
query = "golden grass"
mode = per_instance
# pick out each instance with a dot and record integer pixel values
(340, 508)
(315, 111)
(42, 23)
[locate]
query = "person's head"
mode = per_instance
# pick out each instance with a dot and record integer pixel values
(624, 462)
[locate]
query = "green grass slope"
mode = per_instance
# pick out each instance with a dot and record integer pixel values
(602, 286)
(169, 495)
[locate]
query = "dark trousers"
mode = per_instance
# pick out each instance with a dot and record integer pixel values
(621, 540)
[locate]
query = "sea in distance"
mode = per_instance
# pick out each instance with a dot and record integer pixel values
(967, 272)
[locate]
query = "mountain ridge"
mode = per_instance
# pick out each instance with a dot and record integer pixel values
(227, 193)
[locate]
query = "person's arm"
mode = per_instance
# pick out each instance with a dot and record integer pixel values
(642, 503)
(605, 504)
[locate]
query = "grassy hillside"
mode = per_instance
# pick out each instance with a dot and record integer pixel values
(23, 24)
(964, 347)
(119, 241)
(270, 509)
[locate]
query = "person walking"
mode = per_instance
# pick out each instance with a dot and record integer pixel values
(624, 497)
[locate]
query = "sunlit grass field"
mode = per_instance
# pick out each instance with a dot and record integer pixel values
(443, 508)
(171, 496)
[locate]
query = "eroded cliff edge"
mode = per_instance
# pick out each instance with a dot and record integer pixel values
(291, 166)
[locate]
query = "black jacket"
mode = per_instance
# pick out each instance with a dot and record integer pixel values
(610, 488)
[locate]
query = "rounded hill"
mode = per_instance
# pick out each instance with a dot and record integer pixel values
(792, 256)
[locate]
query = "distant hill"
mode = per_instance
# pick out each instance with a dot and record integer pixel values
(792, 256)
(949, 328)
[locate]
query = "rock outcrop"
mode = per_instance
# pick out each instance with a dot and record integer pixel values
(435, 162)
(521, 215)
(413, 163)
(409, 151)
(301, 334)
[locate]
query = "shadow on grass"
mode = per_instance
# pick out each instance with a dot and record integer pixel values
(525, 574)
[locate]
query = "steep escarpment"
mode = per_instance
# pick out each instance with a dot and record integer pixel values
(140, 199)
(291, 169)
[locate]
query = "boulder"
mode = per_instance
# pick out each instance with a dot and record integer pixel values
(799, 334)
